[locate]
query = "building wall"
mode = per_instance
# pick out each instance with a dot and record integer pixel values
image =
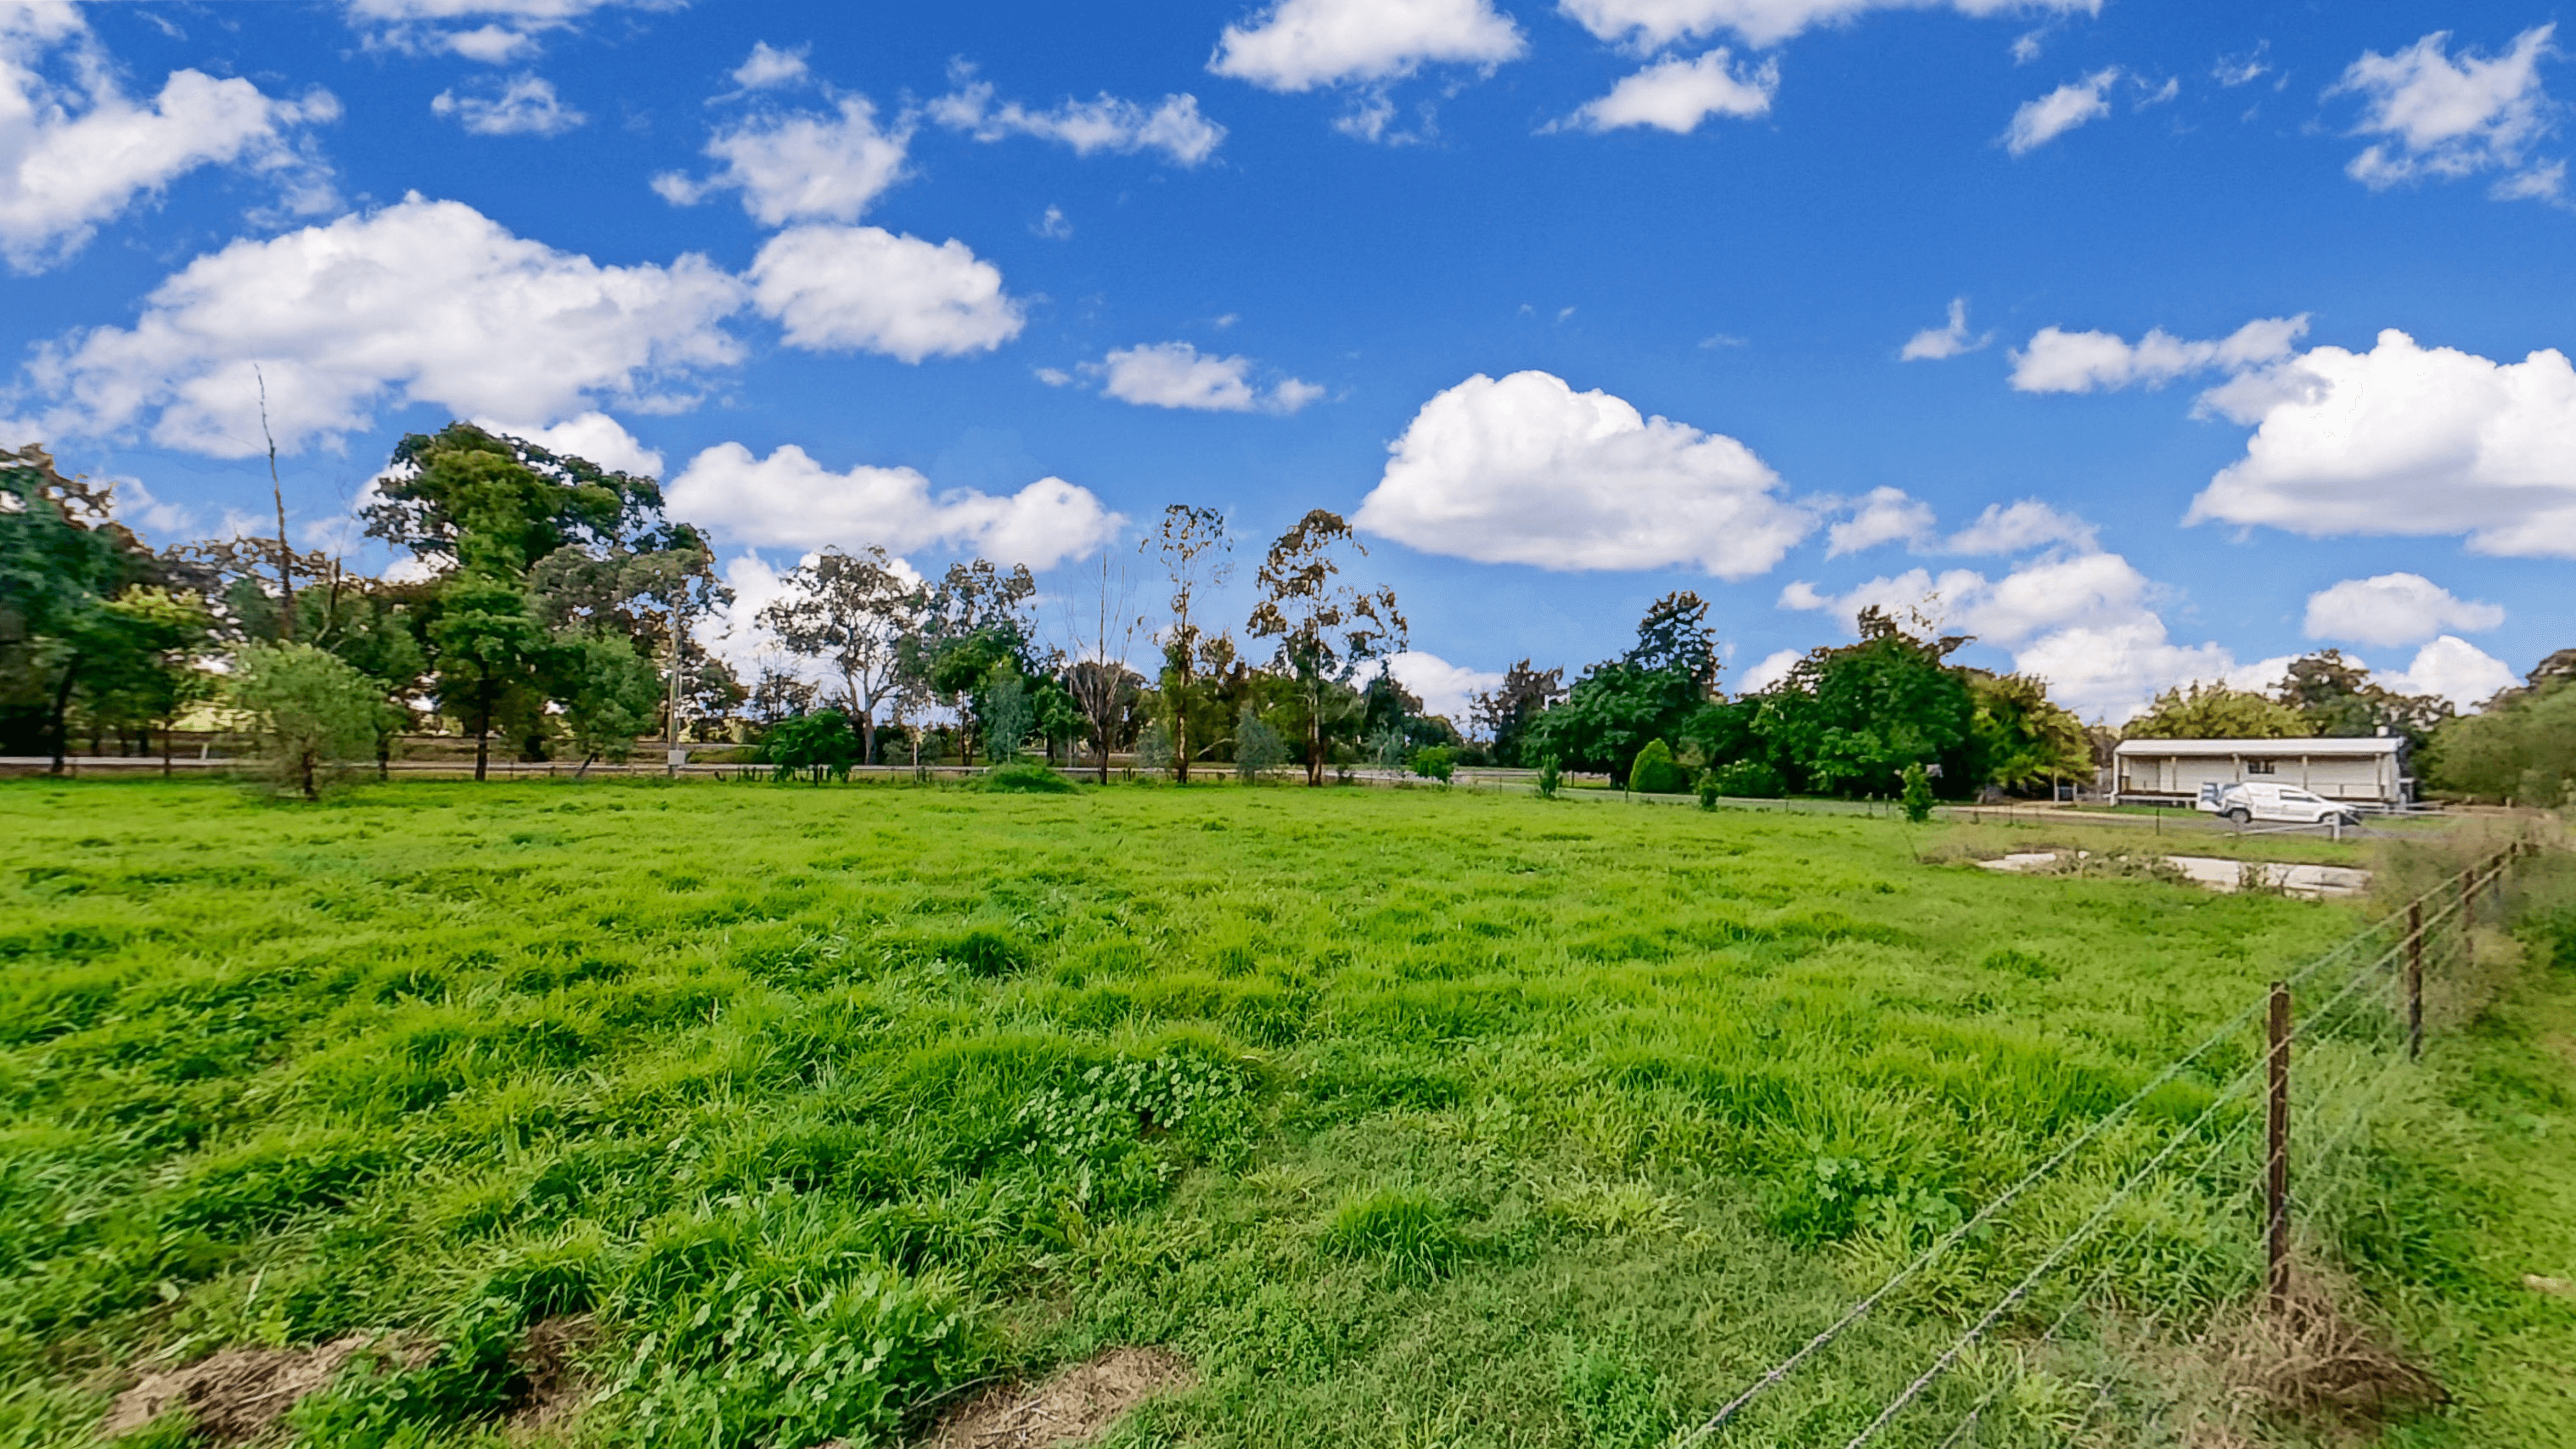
(2371, 778)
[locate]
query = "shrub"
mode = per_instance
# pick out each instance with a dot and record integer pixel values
(1435, 762)
(1918, 794)
(1258, 749)
(310, 711)
(1550, 778)
(1656, 772)
(1028, 776)
(1748, 779)
(1708, 791)
(820, 743)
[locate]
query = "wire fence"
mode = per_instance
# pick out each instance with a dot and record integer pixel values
(2356, 1039)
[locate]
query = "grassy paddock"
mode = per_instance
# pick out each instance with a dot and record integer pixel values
(1412, 1118)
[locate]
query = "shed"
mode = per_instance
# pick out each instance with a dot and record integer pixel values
(2369, 772)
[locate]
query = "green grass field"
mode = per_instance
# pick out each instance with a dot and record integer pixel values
(1418, 1118)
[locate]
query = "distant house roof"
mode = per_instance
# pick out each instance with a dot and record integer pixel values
(2314, 747)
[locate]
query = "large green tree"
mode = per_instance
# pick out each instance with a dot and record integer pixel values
(2216, 712)
(1649, 693)
(1849, 721)
(2023, 738)
(2338, 699)
(1326, 626)
(63, 560)
(2520, 746)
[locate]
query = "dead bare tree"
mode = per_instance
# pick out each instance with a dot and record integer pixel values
(1103, 632)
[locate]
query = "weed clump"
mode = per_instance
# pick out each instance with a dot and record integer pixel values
(1411, 1234)
(1027, 777)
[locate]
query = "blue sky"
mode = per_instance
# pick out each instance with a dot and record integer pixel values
(2146, 342)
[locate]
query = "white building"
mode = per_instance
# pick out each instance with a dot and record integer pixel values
(2371, 772)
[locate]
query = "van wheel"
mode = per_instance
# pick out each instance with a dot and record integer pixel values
(2239, 816)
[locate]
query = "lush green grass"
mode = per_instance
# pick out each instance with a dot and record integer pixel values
(1418, 1118)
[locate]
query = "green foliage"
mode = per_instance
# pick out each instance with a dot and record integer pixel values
(800, 745)
(2338, 698)
(610, 694)
(1028, 777)
(1917, 797)
(2025, 740)
(2216, 712)
(376, 1404)
(1550, 778)
(1747, 779)
(1258, 749)
(309, 712)
(2521, 747)
(1435, 762)
(1655, 772)
(62, 559)
(1704, 784)
(1003, 703)
(1412, 1235)
(1848, 721)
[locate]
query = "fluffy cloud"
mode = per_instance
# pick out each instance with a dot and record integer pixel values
(1524, 469)
(1297, 45)
(509, 30)
(1174, 127)
(862, 288)
(2393, 609)
(1178, 375)
(2060, 361)
(1769, 670)
(1445, 689)
(2020, 527)
(2445, 119)
(788, 500)
(800, 167)
(1887, 515)
(1676, 95)
(2455, 669)
(1933, 344)
(2406, 440)
(2084, 621)
(770, 66)
(1650, 23)
(594, 436)
(420, 302)
(527, 106)
(2071, 105)
(76, 151)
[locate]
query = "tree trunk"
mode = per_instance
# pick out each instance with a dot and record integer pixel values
(306, 759)
(1181, 729)
(867, 737)
(482, 752)
(584, 772)
(1315, 737)
(165, 752)
(63, 713)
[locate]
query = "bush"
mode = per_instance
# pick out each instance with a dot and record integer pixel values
(1748, 780)
(807, 743)
(1918, 794)
(1550, 778)
(1708, 791)
(1258, 749)
(1435, 762)
(311, 712)
(1656, 772)
(1028, 776)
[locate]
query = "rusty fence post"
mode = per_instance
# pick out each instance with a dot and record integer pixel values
(2276, 1169)
(2414, 980)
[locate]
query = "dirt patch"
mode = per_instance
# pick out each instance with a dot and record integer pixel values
(2315, 1361)
(1074, 1407)
(548, 1363)
(233, 1395)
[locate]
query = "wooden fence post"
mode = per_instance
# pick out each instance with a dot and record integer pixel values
(2276, 1173)
(2414, 980)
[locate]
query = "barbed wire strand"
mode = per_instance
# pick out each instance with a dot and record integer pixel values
(1781, 1370)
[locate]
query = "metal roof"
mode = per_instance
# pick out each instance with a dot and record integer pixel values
(2314, 748)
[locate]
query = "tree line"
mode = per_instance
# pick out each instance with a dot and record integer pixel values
(552, 604)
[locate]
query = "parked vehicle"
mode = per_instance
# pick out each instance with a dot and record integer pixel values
(2273, 804)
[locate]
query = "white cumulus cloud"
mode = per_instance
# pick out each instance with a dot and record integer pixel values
(1646, 24)
(2406, 440)
(1676, 95)
(1524, 469)
(508, 31)
(2399, 608)
(2454, 669)
(2019, 527)
(2071, 105)
(2061, 361)
(594, 436)
(526, 106)
(800, 167)
(1886, 515)
(1178, 375)
(419, 302)
(863, 288)
(1174, 127)
(788, 500)
(1297, 45)
(76, 151)
(1934, 344)
(769, 66)
(2447, 118)
(1444, 688)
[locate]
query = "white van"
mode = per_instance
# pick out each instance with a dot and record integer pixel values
(2273, 804)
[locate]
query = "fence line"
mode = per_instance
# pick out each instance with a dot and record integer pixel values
(2315, 1024)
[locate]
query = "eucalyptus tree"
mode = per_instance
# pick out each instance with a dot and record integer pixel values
(1195, 552)
(852, 612)
(1326, 627)
(1102, 629)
